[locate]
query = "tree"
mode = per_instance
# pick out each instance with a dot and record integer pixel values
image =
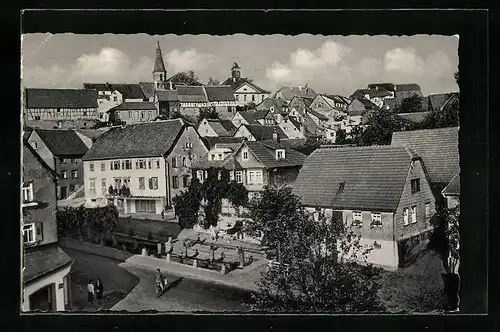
(341, 137)
(409, 105)
(448, 116)
(318, 271)
(207, 113)
(378, 129)
(188, 78)
(247, 107)
(213, 81)
(311, 145)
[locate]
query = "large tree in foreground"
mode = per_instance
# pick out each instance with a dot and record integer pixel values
(318, 270)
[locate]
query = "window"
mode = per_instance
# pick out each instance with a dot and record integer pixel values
(29, 233)
(115, 98)
(103, 166)
(219, 156)
(185, 181)
(175, 182)
(244, 97)
(64, 174)
(103, 187)
(141, 183)
(376, 220)
(413, 214)
(427, 209)
(184, 162)
(245, 155)
(153, 183)
(140, 164)
(254, 177)
(212, 156)
(28, 193)
(127, 164)
(74, 174)
(189, 145)
(237, 97)
(73, 161)
(62, 160)
(231, 176)
(415, 185)
(239, 176)
(143, 115)
(405, 216)
(92, 186)
(34, 145)
(118, 183)
(149, 164)
(253, 97)
(357, 218)
(37, 117)
(158, 163)
(130, 114)
(91, 166)
(115, 165)
(174, 162)
(199, 175)
(280, 154)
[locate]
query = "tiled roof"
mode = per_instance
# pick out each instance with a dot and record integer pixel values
(147, 139)
(437, 147)
(222, 127)
(228, 125)
(128, 91)
(415, 117)
(134, 105)
(248, 116)
(359, 94)
(228, 163)
(92, 133)
(238, 83)
(373, 177)
(210, 142)
(437, 101)
(407, 87)
(62, 142)
(61, 98)
(219, 93)
(167, 95)
(263, 133)
(453, 188)
(380, 92)
(42, 162)
(294, 121)
(367, 103)
(386, 86)
(290, 92)
(148, 89)
(191, 94)
(265, 152)
(260, 114)
(267, 103)
(339, 99)
(317, 114)
(40, 261)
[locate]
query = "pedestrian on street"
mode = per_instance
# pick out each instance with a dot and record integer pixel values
(163, 214)
(90, 292)
(99, 289)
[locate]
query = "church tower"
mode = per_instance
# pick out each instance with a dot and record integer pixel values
(235, 72)
(159, 71)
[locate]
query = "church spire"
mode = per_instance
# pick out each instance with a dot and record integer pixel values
(159, 65)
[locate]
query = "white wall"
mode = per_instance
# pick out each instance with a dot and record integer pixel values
(55, 278)
(206, 130)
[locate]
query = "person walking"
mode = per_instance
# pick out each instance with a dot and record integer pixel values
(99, 289)
(90, 292)
(160, 281)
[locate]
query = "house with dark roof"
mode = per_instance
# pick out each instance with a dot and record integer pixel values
(290, 126)
(382, 192)
(134, 112)
(298, 106)
(407, 90)
(46, 267)
(258, 132)
(437, 102)
(211, 141)
(287, 93)
(139, 168)
(243, 89)
(275, 106)
(60, 108)
(62, 151)
(439, 150)
(167, 102)
(244, 117)
(254, 164)
(413, 118)
(452, 192)
(216, 128)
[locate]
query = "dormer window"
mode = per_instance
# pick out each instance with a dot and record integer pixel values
(212, 156)
(245, 154)
(280, 154)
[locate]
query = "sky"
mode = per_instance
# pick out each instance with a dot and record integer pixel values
(328, 64)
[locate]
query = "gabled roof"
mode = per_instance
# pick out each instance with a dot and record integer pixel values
(210, 142)
(148, 89)
(438, 101)
(380, 92)
(128, 91)
(219, 93)
(228, 163)
(367, 103)
(236, 84)
(294, 121)
(407, 87)
(40, 261)
(149, 139)
(267, 103)
(359, 94)
(228, 125)
(93, 134)
(159, 65)
(437, 147)
(61, 98)
(194, 94)
(134, 105)
(42, 162)
(415, 117)
(294, 91)
(167, 95)
(386, 86)
(248, 116)
(359, 178)
(453, 188)
(263, 133)
(265, 152)
(306, 101)
(62, 142)
(222, 127)
(317, 114)
(339, 99)
(260, 114)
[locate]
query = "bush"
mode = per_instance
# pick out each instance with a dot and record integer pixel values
(150, 235)
(130, 233)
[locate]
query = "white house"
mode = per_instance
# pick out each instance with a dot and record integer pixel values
(245, 91)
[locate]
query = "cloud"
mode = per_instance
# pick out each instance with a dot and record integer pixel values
(110, 65)
(405, 61)
(187, 60)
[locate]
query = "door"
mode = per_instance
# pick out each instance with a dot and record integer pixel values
(64, 192)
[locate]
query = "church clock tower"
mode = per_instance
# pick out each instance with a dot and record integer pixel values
(159, 71)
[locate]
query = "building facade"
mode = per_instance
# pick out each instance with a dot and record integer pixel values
(244, 90)
(134, 112)
(46, 268)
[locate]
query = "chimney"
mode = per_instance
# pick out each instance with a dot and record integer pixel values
(376, 88)
(276, 137)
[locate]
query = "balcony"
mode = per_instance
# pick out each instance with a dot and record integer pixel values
(28, 198)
